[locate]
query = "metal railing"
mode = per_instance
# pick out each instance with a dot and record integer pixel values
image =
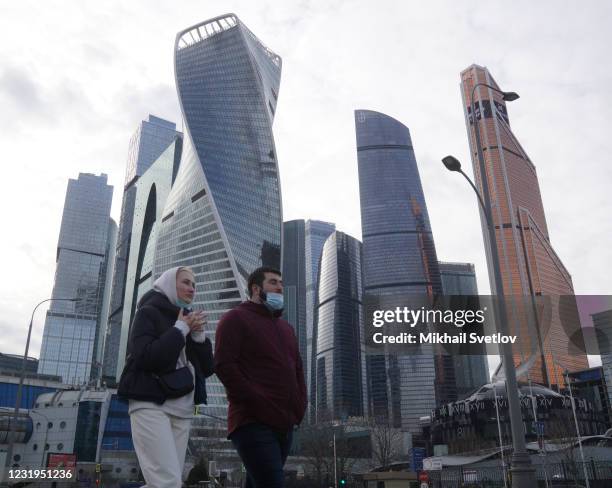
(552, 475)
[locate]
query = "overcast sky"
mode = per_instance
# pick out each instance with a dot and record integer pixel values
(76, 78)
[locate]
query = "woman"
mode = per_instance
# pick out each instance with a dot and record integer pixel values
(167, 361)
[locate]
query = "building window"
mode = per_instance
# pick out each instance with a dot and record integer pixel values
(62, 425)
(17, 457)
(60, 446)
(117, 470)
(46, 447)
(34, 447)
(50, 425)
(37, 425)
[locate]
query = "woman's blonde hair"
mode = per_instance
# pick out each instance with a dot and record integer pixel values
(185, 268)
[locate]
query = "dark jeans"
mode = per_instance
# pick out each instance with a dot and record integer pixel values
(263, 452)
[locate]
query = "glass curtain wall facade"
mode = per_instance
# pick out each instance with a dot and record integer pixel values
(151, 138)
(151, 192)
(399, 259)
(71, 328)
(602, 321)
(294, 279)
(471, 372)
(103, 329)
(340, 381)
(223, 217)
(530, 267)
(317, 233)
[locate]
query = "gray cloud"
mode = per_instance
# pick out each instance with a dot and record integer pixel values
(18, 88)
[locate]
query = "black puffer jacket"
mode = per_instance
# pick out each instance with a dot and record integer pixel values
(154, 347)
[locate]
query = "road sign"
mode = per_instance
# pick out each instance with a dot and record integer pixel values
(432, 464)
(97, 468)
(416, 458)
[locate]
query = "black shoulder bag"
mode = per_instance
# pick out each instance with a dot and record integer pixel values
(177, 382)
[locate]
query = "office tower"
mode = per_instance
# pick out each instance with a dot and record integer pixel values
(71, 328)
(530, 268)
(317, 233)
(339, 351)
(151, 138)
(223, 215)
(97, 370)
(471, 371)
(294, 280)
(150, 194)
(602, 321)
(399, 259)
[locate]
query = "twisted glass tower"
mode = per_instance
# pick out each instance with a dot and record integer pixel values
(223, 216)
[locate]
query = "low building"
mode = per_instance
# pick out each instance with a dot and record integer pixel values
(12, 363)
(590, 384)
(475, 425)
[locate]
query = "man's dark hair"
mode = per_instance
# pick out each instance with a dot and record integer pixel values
(258, 276)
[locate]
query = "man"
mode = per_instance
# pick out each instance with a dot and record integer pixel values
(258, 361)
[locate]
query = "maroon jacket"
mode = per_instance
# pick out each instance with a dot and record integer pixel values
(258, 361)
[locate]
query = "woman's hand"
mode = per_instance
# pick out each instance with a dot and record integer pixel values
(195, 320)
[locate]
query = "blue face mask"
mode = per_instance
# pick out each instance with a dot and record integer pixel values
(274, 301)
(181, 304)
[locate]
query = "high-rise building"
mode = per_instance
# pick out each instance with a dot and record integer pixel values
(151, 191)
(151, 138)
(602, 321)
(340, 382)
(316, 232)
(471, 371)
(223, 215)
(399, 259)
(70, 342)
(530, 268)
(294, 280)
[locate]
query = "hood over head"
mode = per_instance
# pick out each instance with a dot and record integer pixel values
(166, 284)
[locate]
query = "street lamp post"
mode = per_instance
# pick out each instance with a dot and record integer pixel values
(335, 464)
(523, 474)
(573, 401)
(11, 436)
(499, 432)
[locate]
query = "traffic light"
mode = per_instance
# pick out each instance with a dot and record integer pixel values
(342, 480)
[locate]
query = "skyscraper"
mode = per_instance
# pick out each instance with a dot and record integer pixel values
(151, 138)
(339, 352)
(530, 268)
(399, 259)
(70, 342)
(294, 280)
(471, 371)
(223, 215)
(151, 191)
(317, 233)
